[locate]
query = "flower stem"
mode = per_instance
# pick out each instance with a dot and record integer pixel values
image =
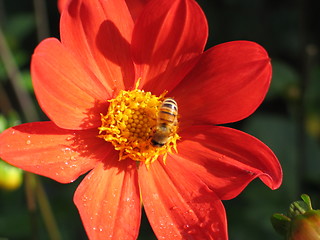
(35, 194)
(31, 202)
(46, 212)
(15, 78)
(41, 19)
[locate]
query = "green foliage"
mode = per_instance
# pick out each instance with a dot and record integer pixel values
(18, 26)
(285, 81)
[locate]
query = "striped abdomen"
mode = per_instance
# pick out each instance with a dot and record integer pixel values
(167, 121)
(168, 112)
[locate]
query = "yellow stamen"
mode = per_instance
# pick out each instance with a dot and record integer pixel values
(130, 124)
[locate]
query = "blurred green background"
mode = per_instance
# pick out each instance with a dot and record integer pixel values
(288, 121)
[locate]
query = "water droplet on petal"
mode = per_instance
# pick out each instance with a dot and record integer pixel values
(174, 208)
(192, 231)
(215, 227)
(28, 142)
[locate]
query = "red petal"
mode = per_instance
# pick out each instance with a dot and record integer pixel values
(136, 7)
(45, 149)
(179, 205)
(109, 202)
(167, 38)
(70, 96)
(227, 84)
(227, 159)
(62, 4)
(99, 33)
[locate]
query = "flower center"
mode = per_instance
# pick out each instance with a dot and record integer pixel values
(131, 124)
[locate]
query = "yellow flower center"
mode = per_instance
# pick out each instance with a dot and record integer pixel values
(130, 125)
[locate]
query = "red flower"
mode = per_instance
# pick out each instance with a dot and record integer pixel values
(62, 4)
(89, 86)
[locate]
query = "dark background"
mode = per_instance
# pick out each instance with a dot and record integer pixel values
(288, 121)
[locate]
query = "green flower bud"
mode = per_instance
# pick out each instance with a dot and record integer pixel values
(302, 222)
(305, 226)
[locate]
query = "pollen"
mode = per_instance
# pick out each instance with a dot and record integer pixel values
(130, 125)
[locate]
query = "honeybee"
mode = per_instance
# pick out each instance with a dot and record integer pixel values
(166, 123)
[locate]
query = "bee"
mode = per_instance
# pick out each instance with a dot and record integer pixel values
(166, 123)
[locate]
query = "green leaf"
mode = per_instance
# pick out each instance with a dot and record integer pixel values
(280, 223)
(307, 200)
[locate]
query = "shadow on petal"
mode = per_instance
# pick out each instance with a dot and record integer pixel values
(116, 48)
(93, 119)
